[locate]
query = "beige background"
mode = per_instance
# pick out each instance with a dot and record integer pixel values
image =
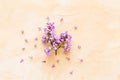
(98, 34)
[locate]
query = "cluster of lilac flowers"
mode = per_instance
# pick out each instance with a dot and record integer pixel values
(55, 42)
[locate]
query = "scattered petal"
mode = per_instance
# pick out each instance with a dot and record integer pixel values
(48, 18)
(43, 61)
(71, 72)
(35, 46)
(79, 47)
(26, 40)
(53, 65)
(31, 57)
(23, 49)
(39, 28)
(75, 27)
(22, 32)
(21, 60)
(68, 58)
(81, 60)
(61, 20)
(58, 61)
(36, 39)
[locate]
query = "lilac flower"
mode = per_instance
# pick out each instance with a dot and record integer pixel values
(53, 37)
(56, 39)
(65, 37)
(44, 39)
(62, 38)
(68, 39)
(67, 47)
(46, 30)
(65, 34)
(55, 42)
(50, 26)
(47, 51)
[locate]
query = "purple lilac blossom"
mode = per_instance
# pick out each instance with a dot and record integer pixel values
(44, 39)
(65, 37)
(47, 51)
(50, 26)
(67, 47)
(56, 42)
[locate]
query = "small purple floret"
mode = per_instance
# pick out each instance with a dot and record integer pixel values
(67, 47)
(47, 51)
(50, 26)
(44, 39)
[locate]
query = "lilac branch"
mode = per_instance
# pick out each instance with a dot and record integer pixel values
(56, 42)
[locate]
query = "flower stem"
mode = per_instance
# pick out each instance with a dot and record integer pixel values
(55, 52)
(58, 48)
